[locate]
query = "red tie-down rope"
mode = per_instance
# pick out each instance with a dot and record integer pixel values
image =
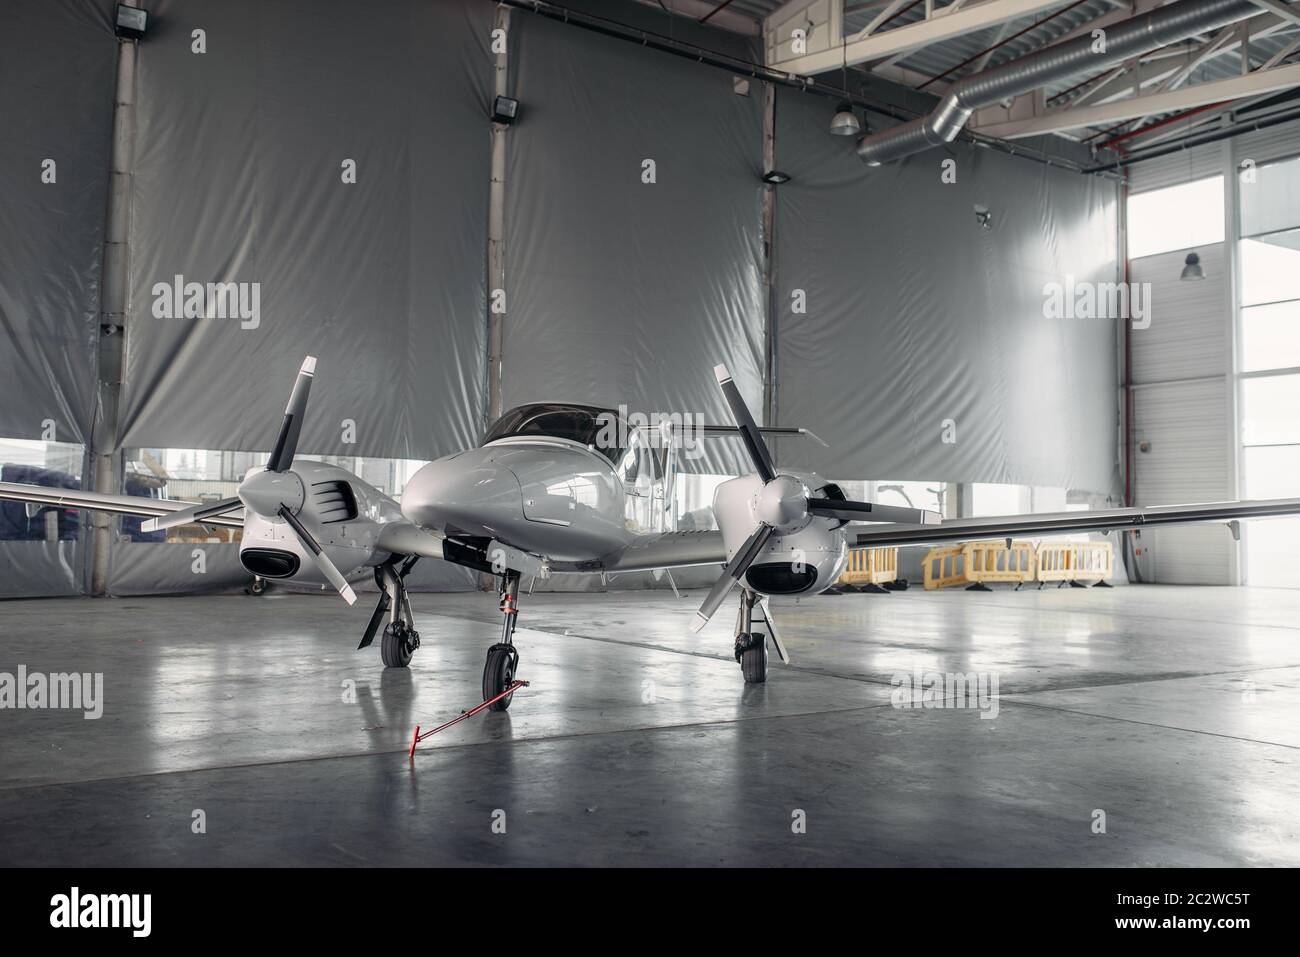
(418, 737)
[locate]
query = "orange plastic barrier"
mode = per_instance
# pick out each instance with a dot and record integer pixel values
(870, 566)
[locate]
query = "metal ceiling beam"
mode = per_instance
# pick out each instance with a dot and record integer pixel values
(1157, 70)
(730, 20)
(1145, 138)
(879, 18)
(913, 36)
(1203, 94)
(1283, 10)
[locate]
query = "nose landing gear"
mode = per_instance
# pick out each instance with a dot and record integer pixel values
(502, 658)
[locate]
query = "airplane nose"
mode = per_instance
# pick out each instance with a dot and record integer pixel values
(463, 495)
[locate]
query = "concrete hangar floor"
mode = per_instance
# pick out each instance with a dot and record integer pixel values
(1173, 710)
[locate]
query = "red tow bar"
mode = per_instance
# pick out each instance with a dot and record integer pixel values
(418, 737)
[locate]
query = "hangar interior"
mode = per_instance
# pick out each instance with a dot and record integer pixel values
(461, 206)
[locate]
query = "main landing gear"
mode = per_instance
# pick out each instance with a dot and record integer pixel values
(751, 645)
(502, 658)
(400, 638)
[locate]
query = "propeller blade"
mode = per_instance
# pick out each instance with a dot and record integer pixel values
(192, 515)
(734, 571)
(871, 512)
(286, 443)
(745, 425)
(327, 567)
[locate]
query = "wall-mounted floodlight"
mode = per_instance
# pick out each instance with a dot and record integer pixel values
(130, 22)
(774, 177)
(505, 110)
(1192, 268)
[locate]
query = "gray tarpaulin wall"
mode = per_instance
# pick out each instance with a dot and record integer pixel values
(239, 177)
(618, 290)
(915, 314)
(57, 67)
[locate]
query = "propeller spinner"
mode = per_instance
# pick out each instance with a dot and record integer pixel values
(274, 492)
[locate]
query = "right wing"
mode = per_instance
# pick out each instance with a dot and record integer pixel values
(113, 504)
(1067, 523)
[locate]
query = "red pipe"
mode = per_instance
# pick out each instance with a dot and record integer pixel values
(1167, 121)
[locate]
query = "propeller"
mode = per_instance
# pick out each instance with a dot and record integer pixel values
(784, 502)
(274, 492)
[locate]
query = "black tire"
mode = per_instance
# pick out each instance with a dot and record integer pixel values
(753, 660)
(396, 646)
(498, 672)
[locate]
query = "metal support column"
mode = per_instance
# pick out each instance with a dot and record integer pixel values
(113, 306)
(770, 396)
(496, 274)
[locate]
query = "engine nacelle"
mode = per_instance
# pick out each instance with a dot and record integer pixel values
(804, 556)
(342, 512)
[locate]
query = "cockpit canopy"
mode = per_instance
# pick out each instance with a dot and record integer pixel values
(600, 429)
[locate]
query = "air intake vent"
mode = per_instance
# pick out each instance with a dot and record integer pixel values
(333, 502)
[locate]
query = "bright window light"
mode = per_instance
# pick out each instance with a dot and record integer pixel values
(989, 499)
(1270, 336)
(1178, 217)
(1270, 272)
(1268, 410)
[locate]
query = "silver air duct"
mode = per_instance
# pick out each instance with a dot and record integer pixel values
(1124, 40)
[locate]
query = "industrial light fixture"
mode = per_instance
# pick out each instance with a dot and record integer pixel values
(774, 177)
(845, 122)
(505, 110)
(1192, 268)
(130, 22)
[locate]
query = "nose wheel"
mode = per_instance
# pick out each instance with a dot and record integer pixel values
(498, 673)
(502, 658)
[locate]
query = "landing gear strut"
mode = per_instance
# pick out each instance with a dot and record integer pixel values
(502, 658)
(400, 637)
(751, 646)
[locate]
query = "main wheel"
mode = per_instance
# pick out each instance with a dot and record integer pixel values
(753, 658)
(498, 672)
(397, 645)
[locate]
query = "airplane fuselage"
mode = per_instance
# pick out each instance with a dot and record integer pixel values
(549, 496)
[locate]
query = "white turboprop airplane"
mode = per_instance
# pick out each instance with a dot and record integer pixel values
(544, 494)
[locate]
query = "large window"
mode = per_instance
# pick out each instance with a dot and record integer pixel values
(1177, 217)
(1269, 362)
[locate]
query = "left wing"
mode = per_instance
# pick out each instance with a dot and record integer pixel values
(1067, 523)
(113, 504)
(671, 550)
